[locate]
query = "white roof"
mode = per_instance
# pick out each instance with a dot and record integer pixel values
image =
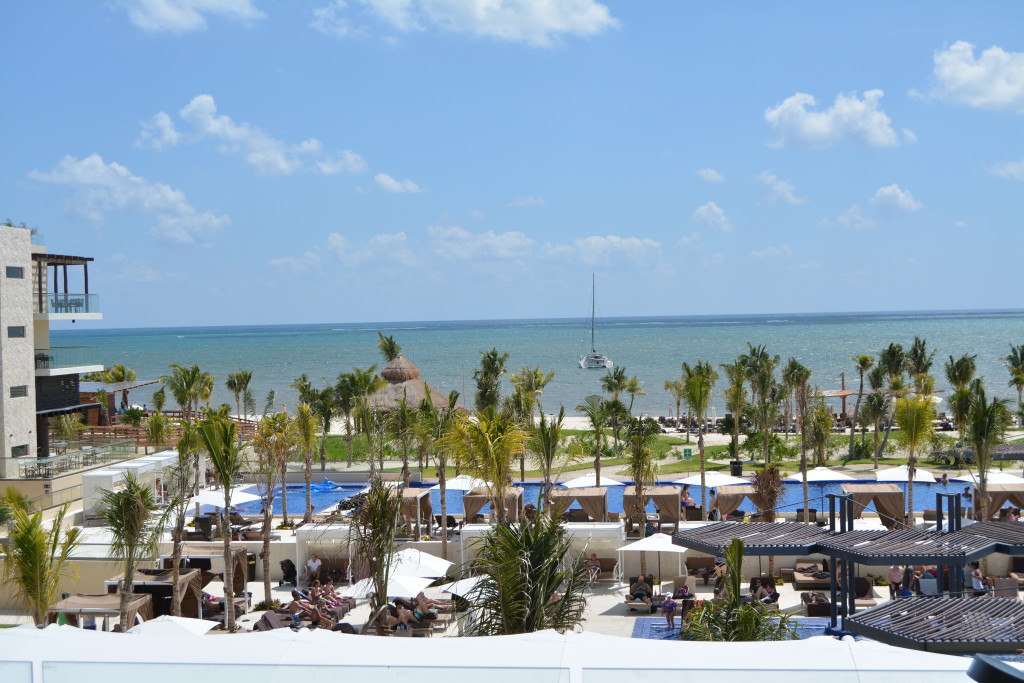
(820, 474)
(589, 481)
(901, 474)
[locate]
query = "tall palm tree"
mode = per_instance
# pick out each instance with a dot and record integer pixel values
(634, 389)
(698, 396)
(596, 412)
(400, 423)
(375, 523)
(960, 373)
(863, 363)
(158, 429)
(677, 388)
(432, 424)
(324, 404)
(614, 382)
(189, 387)
(894, 361)
(159, 399)
(345, 402)
(486, 446)
(641, 435)
(914, 415)
(488, 378)
(986, 427)
(135, 529)
(529, 384)
(684, 377)
(271, 444)
(181, 484)
(919, 362)
(238, 384)
(220, 439)
(388, 347)
(305, 423)
(766, 394)
(819, 429)
(800, 376)
(1015, 364)
(735, 400)
(38, 554)
(364, 384)
(546, 445)
(790, 384)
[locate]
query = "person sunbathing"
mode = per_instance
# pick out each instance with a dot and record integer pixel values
(317, 612)
(593, 568)
(639, 591)
(427, 604)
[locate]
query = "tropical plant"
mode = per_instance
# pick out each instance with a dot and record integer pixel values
(159, 399)
(960, 373)
(305, 426)
(730, 620)
(545, 444)
(227, 460)
(181, 484)
(699, 385)
(364, 384)
(388, 347)
(735, 400)
(767, 394)
(987, 422)
(914, 415)
(863, 363)
(375, 523)
(634, 389)
(801, 378)
(130, 513)
(485, 446)
(68, 426)
(818, 429)
(596, 412)
(238, 384)
(641, 434)
(488, 378)
(345, 402)
(615, 382)
(768, 489)
(919, 362)
(38, 554)
(271, 445)
(400, 423)
(431, 426)
(1015, 364)
(158, 428)
(529, 384)
(530, 580)
(133, 416)
(189, 386)
(894, 361)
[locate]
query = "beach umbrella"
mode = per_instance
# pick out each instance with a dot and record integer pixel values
(463, 482)
(820, 474)
(994, 477)
(168, 625)
(713, 480)
(900, 474)
(657, 543)
(398, 587)
(412, 562)
(216, 497)
(590, 481)
(462, 587)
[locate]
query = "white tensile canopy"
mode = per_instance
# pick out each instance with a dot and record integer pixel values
(171, 626)
(994, 477)
(412, 562)
(900, 473)
(463, 482)
(67, 653)
(657, 543)
(462, 587)
(216, 497)
(820, 474)
(590, 481)
(712, 479)
(398, 587)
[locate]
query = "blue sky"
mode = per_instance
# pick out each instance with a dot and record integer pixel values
(245, 162)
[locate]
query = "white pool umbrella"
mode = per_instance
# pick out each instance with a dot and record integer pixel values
(463, 482)
(216, 497)
(412, 562)
(657, 543)
(589, 481)
(901, 474)
(713, 479)
(462, 587)
(994, 477)
(820, 474)
(168, 625)
(398, 587)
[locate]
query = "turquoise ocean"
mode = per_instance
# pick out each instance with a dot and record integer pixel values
(650, 348)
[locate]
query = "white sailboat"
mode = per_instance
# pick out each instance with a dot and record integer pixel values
(594, 360)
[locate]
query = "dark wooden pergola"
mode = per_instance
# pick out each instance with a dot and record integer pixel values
(759, 538)
(946, 625)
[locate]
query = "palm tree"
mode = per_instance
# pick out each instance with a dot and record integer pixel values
(431, 426)
(698, 396)
(135, 531)
(159, 399)
(684, 377)
(38, 554)
(488, 378)
(919, 362)
(768, 488)
(1015, 364)
(345, 402)
(801, 377)
(181, 484)
(735, 401)
(401, 425)
(641, 435)
(485, 447)
(766, 394)
(818, 427)
(189, 386)
(960, 373)
(227, 460)
(363, 384)
(596, 412)
(615, 382)
(986, 427)
(790, 384)
(546, 446)
(375, 523)
(894, 361)
(634, 389)
(119, 373)
(677, 388)
(388, 347)
(618, 415)
(158, 428)
(530, 383)
(914, 415)
(863, 363)
(272, 443)
(305, 424)
(238, 384)
(324, 404)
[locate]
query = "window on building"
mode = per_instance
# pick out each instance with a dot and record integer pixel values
(15, 271)
(15, 331)
(19, 391)
(19, 451)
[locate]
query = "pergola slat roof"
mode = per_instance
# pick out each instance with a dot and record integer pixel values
(906, 546)
(762, 538)
(949, 625)
(1008, 537)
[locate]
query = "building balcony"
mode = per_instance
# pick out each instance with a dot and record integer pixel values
(65, 306)
(66, 360)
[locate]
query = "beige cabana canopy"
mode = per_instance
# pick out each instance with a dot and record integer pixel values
(201, 554)
(729, 498)
(160, 585)
(474, 501)
(593, 500)
(102, 606)
(888, 500)
(668, 500)
(414, 500)
(1000, 494)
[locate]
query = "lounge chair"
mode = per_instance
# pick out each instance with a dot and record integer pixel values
(1017, 570)
(701, 566)
(809, 573)
(694, 514)
(238, 520)
(864, 592)
(1004, 588)
(816, 604)
(640, 604)
(608, 565)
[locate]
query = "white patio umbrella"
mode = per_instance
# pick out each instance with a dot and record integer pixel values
(398, 587)
(463, 482)
(657, 543)
(994, 477)
(589, 480)
(462, 587)
(216, 497)
(412, 562)
(168, 625)
(900, 474)
(713, 479)
(820, 474)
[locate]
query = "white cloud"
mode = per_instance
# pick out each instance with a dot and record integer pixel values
(711, 215)
(345, 161)
(101, 188)
(779, 191)
(477, 214)
(992, 80)
(808, 265)
(308, 261)
(599, 250)
(960, 224)
(711, 175)
(158, 133)
(1013, 170)
(455, 243)
(773, 252)
(892, 200)
(527, 201)
(183, 16)
(386, 183)
(850, 119)
(539, 23)
(691, 241)
(908, 135)
(853, 218)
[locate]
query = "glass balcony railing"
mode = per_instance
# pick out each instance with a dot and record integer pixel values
(67, 458)
(68, 303)
(37, 239)
(65, 357)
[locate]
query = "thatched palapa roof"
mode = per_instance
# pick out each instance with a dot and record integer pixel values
(403, 381)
